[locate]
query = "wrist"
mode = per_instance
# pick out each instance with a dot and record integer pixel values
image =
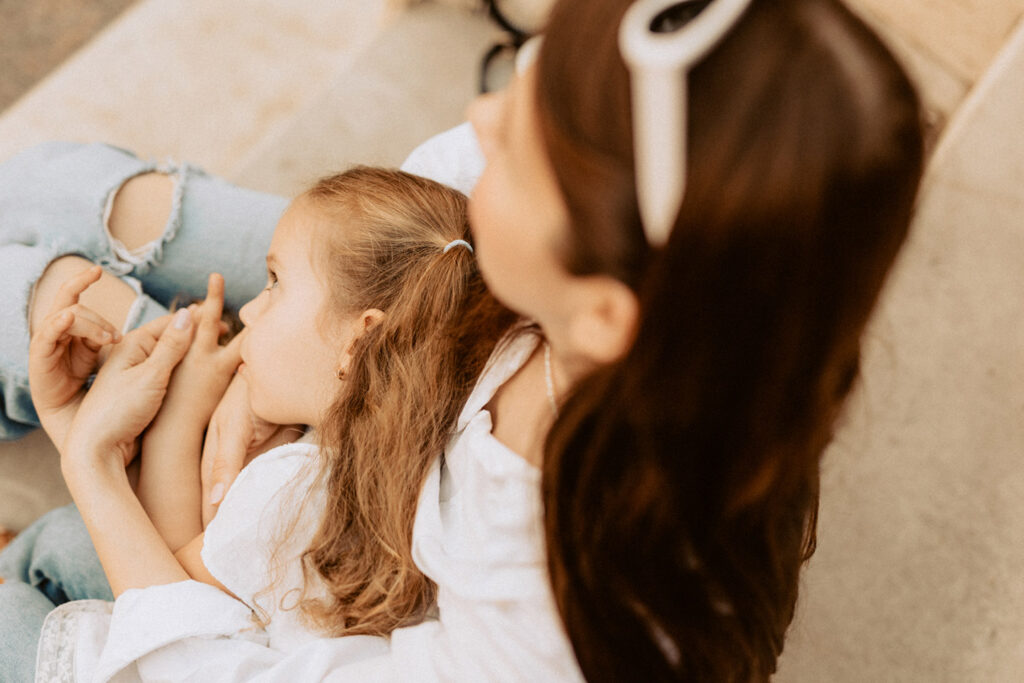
(84, 449)
(83, 464)
(56, 422)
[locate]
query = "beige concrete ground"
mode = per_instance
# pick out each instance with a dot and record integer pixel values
(35, 37)
(917, 577)
(154, 79)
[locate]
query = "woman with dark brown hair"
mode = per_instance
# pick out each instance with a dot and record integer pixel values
(698, 379)
(697, 240)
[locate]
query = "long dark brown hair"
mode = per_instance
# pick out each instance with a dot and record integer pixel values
(681, 483)
(410, 373)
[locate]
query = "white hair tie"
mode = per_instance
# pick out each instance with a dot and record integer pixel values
(457, 243)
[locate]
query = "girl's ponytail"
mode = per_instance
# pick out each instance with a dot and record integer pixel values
(410, 374)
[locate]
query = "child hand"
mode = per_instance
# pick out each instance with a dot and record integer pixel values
(64, 351)
(234, 435)
(203, 375)
(127, 392)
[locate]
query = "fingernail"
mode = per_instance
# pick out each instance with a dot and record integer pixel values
(181, 319)
(216, 494)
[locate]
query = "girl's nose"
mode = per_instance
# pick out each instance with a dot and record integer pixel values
(246, 312)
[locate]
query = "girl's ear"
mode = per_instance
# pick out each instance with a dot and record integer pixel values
(603, 324)
(363, 322)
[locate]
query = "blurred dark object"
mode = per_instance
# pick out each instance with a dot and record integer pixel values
(520, 19)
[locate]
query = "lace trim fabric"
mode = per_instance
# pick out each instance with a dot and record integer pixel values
(55, 659)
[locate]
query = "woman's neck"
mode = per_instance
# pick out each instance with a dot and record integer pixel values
(566, 369)
(521, 410)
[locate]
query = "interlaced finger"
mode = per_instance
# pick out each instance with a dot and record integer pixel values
(140, 342)
(91, 326)
(68, 293)
(48, 337)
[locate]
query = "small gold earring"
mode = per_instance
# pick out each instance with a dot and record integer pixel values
(341, 373)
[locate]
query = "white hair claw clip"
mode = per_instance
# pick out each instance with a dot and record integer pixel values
(659, 61)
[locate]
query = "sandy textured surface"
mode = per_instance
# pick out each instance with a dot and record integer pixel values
(920, 559)
(36, 36)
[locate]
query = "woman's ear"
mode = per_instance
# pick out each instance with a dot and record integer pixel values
(603, 324)
(363, 322)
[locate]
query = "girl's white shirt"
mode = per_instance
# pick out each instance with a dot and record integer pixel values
(478, 534)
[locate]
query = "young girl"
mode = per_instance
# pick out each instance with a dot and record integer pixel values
(373, 327)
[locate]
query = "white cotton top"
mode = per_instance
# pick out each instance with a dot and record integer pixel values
(452, 157)
(478, 534)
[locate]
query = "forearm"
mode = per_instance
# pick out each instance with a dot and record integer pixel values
(132, 552)
(169, 485)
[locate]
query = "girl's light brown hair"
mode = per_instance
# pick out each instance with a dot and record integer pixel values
(681, 483)
(409, 375)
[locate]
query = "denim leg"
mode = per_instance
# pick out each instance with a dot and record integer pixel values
(49, 563)
(213, 227)
(21, 266)
(55, 195)
(55, 556)
(54, 201)
(22, 613)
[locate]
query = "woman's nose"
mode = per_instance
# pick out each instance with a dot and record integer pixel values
(484, 113)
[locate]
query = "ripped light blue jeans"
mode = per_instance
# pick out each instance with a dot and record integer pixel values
(49, 563)
(54, 201)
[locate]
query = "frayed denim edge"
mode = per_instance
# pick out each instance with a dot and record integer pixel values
(155, 249)
(121, 261)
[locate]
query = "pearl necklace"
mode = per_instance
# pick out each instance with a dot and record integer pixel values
(549, 380)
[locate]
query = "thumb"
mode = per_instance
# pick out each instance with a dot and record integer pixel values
(223, 457)
(226, 466)
(173, 343)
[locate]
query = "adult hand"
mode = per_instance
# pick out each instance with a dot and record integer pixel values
(235, 434)
(129, 390)
(64, 351)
